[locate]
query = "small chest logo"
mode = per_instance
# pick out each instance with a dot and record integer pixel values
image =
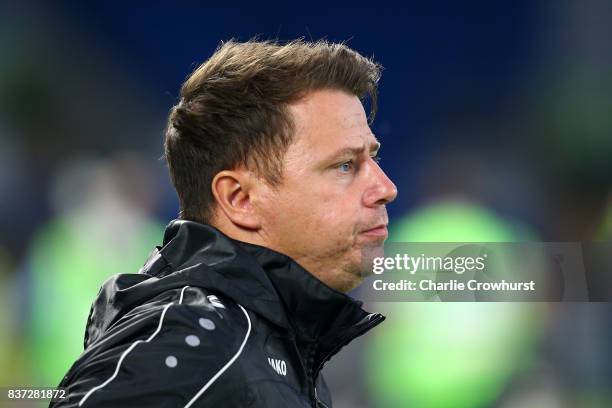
(278, 365)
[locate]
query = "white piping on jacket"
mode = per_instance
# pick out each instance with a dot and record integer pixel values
(127, 351)
(227, 365)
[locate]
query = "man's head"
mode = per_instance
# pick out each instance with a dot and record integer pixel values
(270, 144)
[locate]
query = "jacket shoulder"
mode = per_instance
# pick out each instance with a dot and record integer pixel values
(172, 349)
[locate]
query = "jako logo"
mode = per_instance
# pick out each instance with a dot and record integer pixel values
(278, 365)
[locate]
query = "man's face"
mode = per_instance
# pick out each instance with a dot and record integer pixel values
(328, 213)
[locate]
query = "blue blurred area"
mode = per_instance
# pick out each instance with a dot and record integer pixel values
(503, 108)
(437, 58)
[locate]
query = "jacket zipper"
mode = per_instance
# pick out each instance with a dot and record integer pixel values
(312, 389)
(374, 321)
(312, 349)
(318, 401)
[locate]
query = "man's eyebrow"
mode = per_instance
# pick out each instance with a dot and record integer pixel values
(353, 151)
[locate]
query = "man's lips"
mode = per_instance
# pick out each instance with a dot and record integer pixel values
(378, 231)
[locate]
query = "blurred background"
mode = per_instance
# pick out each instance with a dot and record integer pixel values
(496, 124)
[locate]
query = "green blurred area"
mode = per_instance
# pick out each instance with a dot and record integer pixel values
(69, 260)
(451, 355)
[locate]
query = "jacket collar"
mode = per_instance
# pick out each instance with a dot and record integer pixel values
(266, 282)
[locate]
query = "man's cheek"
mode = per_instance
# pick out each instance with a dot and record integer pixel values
(332, 215)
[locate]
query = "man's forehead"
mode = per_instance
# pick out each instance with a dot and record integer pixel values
(351, 120)
(332, 106)
(331, 120)
(351, 124)
(348, 136)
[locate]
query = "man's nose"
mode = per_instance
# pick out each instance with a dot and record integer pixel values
(382, 190)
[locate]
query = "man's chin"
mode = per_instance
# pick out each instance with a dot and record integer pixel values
(368, 253)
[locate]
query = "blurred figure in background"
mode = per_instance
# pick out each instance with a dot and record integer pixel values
(103, 225)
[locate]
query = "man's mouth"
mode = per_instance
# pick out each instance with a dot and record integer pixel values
(377, 231)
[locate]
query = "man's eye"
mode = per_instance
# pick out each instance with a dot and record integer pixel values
(346, 166)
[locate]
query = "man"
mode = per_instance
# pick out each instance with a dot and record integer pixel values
(282, 207)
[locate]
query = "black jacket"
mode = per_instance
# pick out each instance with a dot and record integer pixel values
(212, 322)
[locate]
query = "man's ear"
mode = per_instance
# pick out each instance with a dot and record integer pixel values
(231, 189)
